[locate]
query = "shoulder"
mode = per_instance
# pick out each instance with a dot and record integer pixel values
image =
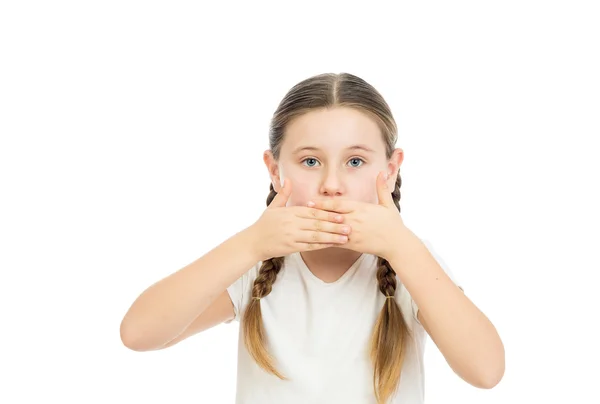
(249, 276)
(240, 291)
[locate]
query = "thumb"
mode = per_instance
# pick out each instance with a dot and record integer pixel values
(383, 191)
(283, 195)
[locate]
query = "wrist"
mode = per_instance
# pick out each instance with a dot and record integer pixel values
(400, 239)
(252, 241)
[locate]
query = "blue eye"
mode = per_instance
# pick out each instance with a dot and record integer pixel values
(310, 160)
(357, 160)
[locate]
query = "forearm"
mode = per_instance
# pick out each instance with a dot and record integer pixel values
(464, 335)
(167, 307)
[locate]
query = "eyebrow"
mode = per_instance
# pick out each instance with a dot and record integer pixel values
(354, 147)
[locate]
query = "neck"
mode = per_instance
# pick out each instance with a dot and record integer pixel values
(329, 264)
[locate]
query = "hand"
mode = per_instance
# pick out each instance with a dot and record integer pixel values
(376, 228)
(282, 230)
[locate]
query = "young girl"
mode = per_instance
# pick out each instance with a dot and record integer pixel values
(334, 293)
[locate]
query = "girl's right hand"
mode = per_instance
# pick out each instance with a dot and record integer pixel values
(282, 230)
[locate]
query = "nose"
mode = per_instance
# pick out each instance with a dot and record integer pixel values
(331, 184)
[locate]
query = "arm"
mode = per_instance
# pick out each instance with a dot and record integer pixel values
(160, 316)
(464, 335)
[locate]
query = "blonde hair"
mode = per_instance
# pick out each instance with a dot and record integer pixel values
(390, 334)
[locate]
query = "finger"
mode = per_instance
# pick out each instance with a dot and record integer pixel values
(283, 195)
(319, 237)
(315, 246)
(332, 205)
(325, 226)
(313, 213)
(383, 191)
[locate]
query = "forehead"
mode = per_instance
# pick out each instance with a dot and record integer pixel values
(332, 129)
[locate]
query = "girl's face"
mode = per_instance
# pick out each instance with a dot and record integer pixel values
(335, 153)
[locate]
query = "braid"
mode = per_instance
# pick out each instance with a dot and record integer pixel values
(391, 332)
(263, 284)
(396, 192)
(386, 277)
(254, 332)
(272, 195)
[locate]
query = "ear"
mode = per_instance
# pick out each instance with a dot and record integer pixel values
(393, 167)
(273, 169)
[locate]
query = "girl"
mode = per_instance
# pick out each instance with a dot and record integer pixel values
(334, 293)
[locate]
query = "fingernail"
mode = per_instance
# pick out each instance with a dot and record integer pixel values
(310, 204)
(338, 218)
(343, 238)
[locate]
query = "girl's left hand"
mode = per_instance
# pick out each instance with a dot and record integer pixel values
(375, 228)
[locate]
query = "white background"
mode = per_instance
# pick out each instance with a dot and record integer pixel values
(131, 144)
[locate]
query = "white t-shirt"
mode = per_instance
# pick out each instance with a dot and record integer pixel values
(318, 334)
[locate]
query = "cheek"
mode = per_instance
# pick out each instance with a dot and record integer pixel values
(365, 188)
(368, 193)
(302, 191)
